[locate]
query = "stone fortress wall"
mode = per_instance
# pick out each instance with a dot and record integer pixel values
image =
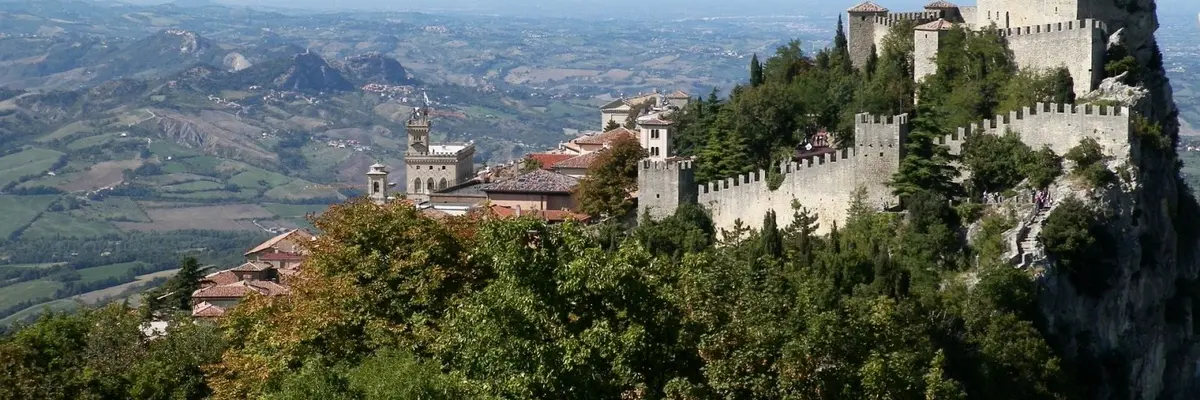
(1042, 34)
(825, 184)
(1078, 45)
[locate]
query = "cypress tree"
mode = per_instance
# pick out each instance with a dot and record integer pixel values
(770, 240)
(756, 71)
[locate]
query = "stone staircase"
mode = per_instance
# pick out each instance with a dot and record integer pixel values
(1027, 242)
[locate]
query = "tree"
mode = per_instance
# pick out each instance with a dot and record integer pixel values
(770, 239)
(186, 281)
(756, 72)
(926, 165)
(610, 180)
(612, 124)
(530, 164)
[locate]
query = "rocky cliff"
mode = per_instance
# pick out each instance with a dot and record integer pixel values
(1135, 339)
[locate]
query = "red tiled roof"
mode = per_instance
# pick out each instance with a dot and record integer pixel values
(940, 4)
(546, 160)
(679, 94)
(939, 25)
(537, 181)
(222, 278)
(241, 289)
(275, 240)
(607, 137)
(207, 310)
(867, 6)
(252, 266)
(434, 213)
(580, 161)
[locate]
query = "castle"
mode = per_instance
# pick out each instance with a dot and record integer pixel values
(825, 183)
(433, 167)
(1042, 34)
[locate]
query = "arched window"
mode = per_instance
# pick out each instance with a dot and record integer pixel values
(430, 185)
(416, 187)
(375, 187)
(442, 184)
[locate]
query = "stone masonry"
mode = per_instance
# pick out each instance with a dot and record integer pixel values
(1042, 34)
(825, 184)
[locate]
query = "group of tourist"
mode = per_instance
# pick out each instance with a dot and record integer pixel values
(1041, 198)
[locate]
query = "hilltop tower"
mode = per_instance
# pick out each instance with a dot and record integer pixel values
(432, 167)
(862, 31)
(418, 131)
(654, 133)
(926, 41)
(664, 181)
(377, 184)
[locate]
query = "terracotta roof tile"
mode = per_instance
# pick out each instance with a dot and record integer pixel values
(867, 6)
(207, 310)
(434, 213)
(580, 161)
(548, 160)
(939, 25)
(654, 121)
(679, 94)
(940, 4)
(252, 266)
(607, 137)
(538, 181)
(275, 240)
(222, 278)
(241, 289)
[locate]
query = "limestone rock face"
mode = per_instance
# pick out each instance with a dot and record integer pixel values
(1135, 340)
(1114, 89)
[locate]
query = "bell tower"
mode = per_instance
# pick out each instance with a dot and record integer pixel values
(377, 184)
(418, 131)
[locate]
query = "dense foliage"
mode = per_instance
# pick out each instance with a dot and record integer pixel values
(611, 179)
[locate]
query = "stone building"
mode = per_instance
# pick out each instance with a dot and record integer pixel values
(431, 167)
(1042, 34)
(625, 109)
(824, 182)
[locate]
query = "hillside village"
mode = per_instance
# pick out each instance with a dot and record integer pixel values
(820, 177)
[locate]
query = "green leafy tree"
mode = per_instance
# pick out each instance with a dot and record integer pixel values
(612, 124)
(926, 165)
(606, 188)
(530, 164)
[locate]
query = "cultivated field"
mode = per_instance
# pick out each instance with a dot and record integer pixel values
(19, 211)
(33, 161)
(60, 224)
(13, 294)
(103, 174)
(232, 217)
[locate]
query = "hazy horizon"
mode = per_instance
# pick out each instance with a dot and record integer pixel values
(593, 9)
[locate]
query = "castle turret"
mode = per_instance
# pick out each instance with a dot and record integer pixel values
(377, 184)
(663, 185)
(926, 40)
(862, 31)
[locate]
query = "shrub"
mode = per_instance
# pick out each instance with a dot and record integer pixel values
(1075, 238)
(1089, 157)
(992, 160)
(1150, 133)
(1042, 168)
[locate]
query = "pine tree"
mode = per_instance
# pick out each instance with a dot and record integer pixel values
(181, 286)
(872, 62)
(770, 240)
(612, 124)
(841, 48)
(756, 71)
(926, 166)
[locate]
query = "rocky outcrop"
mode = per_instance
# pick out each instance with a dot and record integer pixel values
(378, 69)
(1135, 340)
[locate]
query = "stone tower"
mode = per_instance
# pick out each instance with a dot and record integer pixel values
(663, 185)
(926, 39)
(862, 31)
(377, 184)
(418, 131)
(430, 167)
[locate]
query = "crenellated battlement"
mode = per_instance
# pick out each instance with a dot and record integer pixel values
(919, 17)
(667, 165)
(869, 119)
(1059, 126)
(1087, 24)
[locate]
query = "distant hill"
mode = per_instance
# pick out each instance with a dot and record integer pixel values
(376, 68)
(304, 72)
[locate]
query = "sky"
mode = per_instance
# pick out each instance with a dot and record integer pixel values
(666, 9)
